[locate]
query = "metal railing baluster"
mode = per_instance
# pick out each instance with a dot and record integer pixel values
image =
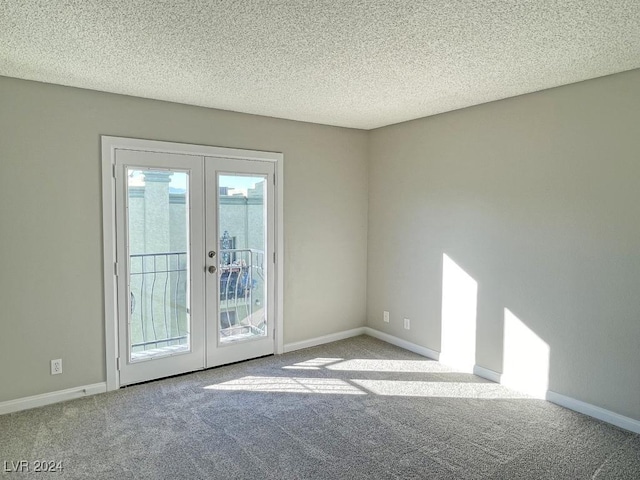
(143, 303)
(176, 291)
(153, 289)
(236, 280)
(164, 298)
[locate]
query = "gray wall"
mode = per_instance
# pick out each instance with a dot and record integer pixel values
(51, 289)
(537, 199)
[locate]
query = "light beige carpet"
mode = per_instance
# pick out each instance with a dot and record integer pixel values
(354, 409)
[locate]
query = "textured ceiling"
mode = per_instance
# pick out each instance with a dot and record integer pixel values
(359, 63)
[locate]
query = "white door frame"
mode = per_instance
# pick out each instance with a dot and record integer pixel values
(109, 146)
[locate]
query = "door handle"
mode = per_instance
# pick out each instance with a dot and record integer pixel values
(212, 269)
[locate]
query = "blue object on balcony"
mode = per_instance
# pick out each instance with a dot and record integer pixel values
(234, 283)
(226, 243)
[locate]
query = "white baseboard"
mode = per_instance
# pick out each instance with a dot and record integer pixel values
(488, 374)
(314, 342)
(455, 363)
(571, 403)
(596, 412)
(52, 397)
(398, 342)
(579, 406)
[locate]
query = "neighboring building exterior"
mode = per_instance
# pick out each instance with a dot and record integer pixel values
(158, 242)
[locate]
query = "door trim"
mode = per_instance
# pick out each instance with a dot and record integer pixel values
(109, 145)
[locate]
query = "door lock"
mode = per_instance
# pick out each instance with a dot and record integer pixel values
(212, 254)
(212, 269)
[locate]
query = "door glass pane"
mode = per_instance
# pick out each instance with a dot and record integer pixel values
(241, 257)
(158, 237)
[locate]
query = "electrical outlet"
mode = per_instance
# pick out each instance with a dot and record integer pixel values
(385, 316)
(56, 366)
(407, 324)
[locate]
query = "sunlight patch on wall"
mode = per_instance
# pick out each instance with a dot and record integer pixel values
(373, 365)
(400, 388)
(288, 385)
(459, 312)
(526, 358)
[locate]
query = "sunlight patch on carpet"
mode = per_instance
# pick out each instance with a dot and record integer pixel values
(288, 385)
(312, 364)
(378, 365)
(438, 389)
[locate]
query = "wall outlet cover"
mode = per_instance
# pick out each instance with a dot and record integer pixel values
(56, 366)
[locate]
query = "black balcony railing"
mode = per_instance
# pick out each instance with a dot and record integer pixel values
(158, 299)
(158, 285)
(241, 294)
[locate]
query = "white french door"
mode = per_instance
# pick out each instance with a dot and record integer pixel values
(240, 259)
(195, 256)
